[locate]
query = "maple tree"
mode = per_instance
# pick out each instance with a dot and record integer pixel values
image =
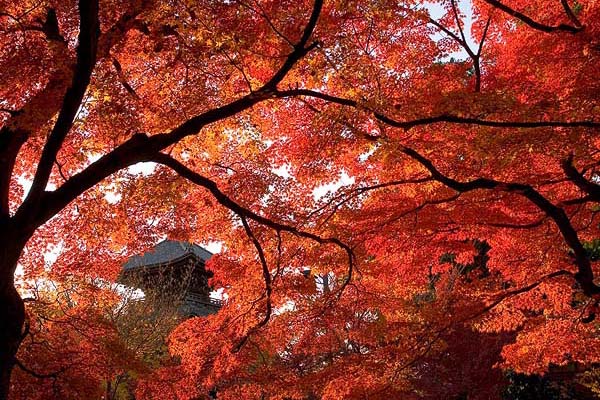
(91, 339)
(468, 134)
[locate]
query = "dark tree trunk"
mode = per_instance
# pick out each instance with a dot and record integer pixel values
(12, 310)
(12, 316)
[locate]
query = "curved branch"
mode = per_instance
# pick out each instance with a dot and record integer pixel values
(41, 107)
(300, 49)
(140, 147)
(584, 275)
(591, 188)
(343, 198)
(442, 118)
(534, 24)
(52, 375)
(89, 30)
(515, 292)
(227, 202)
(268, 287)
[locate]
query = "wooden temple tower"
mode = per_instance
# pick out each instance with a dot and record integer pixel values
(175, 271)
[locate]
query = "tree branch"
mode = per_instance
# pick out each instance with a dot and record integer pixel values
(264, 15)
(268, 287)
(484, 36)
(89, 30)
(52, 375)
(140, 148)
(227, 202)
(10, 144)
(462, 41)
(507, 225)
(585, 275)
(591, 188)
(343, 198)
(45, 104)
(534, 24)
(125, 23)
(457, 19)
(442, 118)
(448, 32)
(123, 80)
(300, 49)
(571, 14)
(515, 292)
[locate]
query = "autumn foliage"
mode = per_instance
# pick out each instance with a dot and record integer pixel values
(405, 193)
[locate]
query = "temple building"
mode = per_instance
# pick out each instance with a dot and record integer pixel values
(174, 271)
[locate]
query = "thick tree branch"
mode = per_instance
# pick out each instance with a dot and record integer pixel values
(570, 14)
(584, 275)
(227, 202)
(45, 104)
(50, 27)
(141, 148)
(36, 112)
(300, 49)
(138, 148)
(10, 144)
(534, 24)
(89, 30)
(556, 213)
(443, 118)
(591, 188)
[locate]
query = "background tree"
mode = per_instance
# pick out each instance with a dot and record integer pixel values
(97, 338)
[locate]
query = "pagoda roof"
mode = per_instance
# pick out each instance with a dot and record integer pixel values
(167, 252)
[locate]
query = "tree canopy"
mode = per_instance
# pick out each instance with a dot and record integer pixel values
(405, 193)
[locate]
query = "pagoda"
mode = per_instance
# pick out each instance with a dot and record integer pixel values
(176, 271)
